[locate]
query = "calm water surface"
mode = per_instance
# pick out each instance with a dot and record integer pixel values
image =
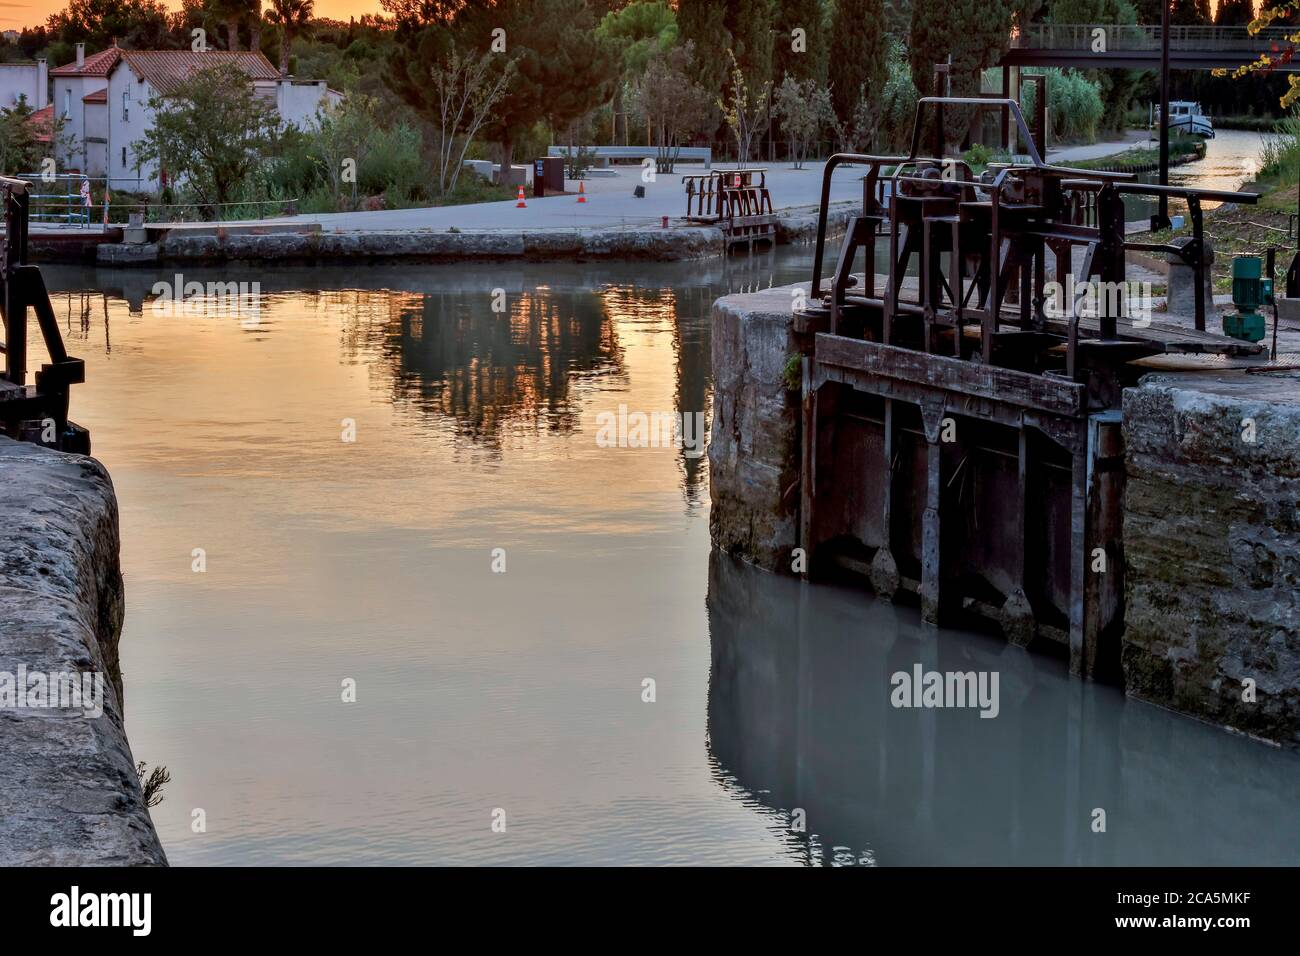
(371, 560)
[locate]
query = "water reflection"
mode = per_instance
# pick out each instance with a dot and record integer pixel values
(799, 717)
(497, 351)
(451, 355)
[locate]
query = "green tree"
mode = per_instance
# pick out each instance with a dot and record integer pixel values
(640, 31)
(743, 108)
(1116, 87)
(898, 101)
(749, 24)
(702, 23)
(857, 59)
(973, 35)
(292, 16)
(139, 24)
(467, 88)
(799, 55)
(422, 13)
(803, 107)
(20, 149)
(210, 134)
(562, 68)
(672, 105)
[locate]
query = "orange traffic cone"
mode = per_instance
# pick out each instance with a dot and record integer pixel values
(582, 192)
(521, 204)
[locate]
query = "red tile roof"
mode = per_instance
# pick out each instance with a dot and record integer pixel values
(42, 123)
(165, 70)
(99, 96)
(100, 64)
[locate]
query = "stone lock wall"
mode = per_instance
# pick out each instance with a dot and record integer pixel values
(1212, 551)
(69, 794)
(754, 438)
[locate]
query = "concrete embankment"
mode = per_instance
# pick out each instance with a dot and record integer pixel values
(1210, 533)
(70, 794)
(309, 243)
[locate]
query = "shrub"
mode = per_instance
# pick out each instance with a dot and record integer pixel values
(1074, 106)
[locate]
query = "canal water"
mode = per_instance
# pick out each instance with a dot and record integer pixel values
(500, 587)
(1232, 159)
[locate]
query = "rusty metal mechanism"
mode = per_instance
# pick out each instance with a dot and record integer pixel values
(736, 200)
(961, 414)
(36, 412)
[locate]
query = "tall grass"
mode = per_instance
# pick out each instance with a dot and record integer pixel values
(1074, 105)
(1280, 157)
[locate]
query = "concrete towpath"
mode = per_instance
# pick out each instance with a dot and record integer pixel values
(1073, 154)
(609, 203)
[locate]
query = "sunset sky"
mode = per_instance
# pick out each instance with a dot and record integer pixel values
(16, 14)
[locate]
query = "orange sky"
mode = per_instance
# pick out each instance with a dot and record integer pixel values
(16, 14)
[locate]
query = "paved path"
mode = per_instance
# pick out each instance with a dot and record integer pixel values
(1131, 138)
(610, 202)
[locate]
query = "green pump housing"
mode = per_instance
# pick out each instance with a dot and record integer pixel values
(1250, 290)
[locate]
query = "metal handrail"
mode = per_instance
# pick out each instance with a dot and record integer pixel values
(1146, 37)
(842, 159)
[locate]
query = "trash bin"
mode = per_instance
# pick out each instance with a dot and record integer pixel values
(548, 174)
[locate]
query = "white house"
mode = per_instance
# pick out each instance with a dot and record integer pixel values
(80, 99)
(27, 81)
(106, 99)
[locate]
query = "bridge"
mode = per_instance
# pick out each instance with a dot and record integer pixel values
(1136, 47)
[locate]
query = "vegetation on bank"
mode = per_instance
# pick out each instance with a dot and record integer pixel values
(1138, 159)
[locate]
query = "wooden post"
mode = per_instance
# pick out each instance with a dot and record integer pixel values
(932, 595)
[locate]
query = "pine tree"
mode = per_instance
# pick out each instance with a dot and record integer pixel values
(749, 23)
(810, 63)
(857, 69)
(702, 22)
(974, 33)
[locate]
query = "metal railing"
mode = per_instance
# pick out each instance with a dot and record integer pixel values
(204, 212)
(1134, 37)
(57, 198)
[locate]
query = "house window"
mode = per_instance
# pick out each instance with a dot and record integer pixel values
(67, 104)
(124, 157)
(126, 106)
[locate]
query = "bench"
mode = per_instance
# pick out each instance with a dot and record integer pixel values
(608, 154)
